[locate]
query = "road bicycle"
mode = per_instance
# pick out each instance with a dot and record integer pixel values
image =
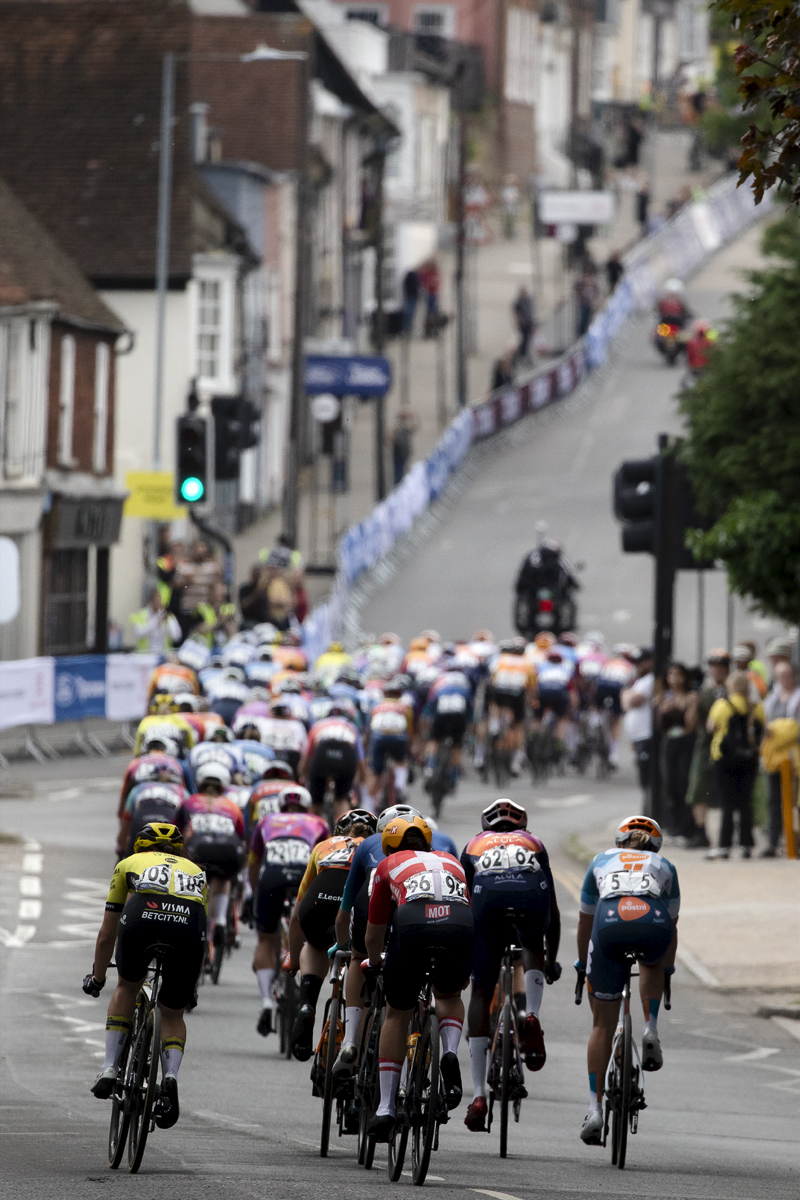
(136, 1090)
(421, 1104)
(497, 764)
(324, 1080)
(226, 937)
(440, 781)
(543, 749)
(367, 1085)
(505, 1074)
(285, 989)
(623, 1094)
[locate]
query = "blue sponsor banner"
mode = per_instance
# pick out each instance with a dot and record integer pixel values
(348, 375)
(80, 687)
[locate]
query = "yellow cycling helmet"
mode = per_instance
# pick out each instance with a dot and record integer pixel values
(159, 835)
(336, 648)
(162, 703)
(393, 833)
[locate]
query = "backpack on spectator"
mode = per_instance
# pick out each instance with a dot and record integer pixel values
(739, 742)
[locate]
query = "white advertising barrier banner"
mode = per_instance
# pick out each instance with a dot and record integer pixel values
(127, 677)
(27, 692)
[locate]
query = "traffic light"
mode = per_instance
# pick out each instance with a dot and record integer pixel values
(636, 484)
(191, 472)
(236, 428)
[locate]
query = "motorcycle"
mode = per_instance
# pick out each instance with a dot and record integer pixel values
(544, 613)
(668, 340)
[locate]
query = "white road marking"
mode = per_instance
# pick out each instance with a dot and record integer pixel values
(697, 968)
(30, 910)
(32, 864)
(495, 1195)
(435, 1178)
(789, 1024)
(64, 794)
(756, 1055)
(30, 885)
(221, 1119)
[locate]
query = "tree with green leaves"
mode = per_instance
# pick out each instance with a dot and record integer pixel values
(743, 447)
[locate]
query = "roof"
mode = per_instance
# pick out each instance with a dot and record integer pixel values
(34, 268)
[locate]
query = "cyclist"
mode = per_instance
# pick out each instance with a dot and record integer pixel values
(147, 802)
(351, 920)
(212, 826)
(280, 848)
(227, 693)
(172, 676)
(507, 868)
(155, 767)
(630, 900)
(161, 899)
(554, 677)
(329, 664)
(390, 726)
(616, 674)
(263, 797)
(334, 752)
(284, 732)
(167, 731)
(512, 687)
(448, 708)
(421, 896)
(311, 931)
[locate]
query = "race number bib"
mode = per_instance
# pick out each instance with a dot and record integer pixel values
(506, 858)
(338, 857)
(154, 879)
(451, 704)
(629, 883)
(391, 724)
(283, 739)
(509, 681)
(422, 886)
(339, 733)
(188, 885)
(287, 851)
(213, 823)
(266, 806)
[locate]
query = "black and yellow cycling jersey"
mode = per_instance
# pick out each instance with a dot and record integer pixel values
(157, 873)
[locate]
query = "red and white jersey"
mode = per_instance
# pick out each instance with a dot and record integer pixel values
(415, 875)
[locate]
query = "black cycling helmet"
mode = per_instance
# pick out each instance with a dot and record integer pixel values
(358, 822)
(159, 835)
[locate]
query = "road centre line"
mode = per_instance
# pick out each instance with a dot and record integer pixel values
(756, 1055)
(494, 1195)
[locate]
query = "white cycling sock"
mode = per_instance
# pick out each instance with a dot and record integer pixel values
(389, 1072)
(171, 1055)
(265, 977)
(220, 908)
(352, 1020)
(534, 990)
(480, 754)
(117, 1030)
(478, 1049)
(400, 778)
(450, 1033)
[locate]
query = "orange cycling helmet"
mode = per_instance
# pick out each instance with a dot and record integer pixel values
(544, 640)
(646, 824)
(393, 833)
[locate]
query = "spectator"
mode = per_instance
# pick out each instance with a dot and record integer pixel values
(676, 714)
(643, 205)
(296, 580)
(524, 316)
(280, 601)
(253, 598)
(742, 657)
(779, 650)
(783, 702)
(170, 554)
(192, 582)
(736, 726)
(614, 270)
(156, 630)
(637, 706)
(503, 371)
(509, 204)
(701, 786)
(430, 281)
(215, 618)
(586, 295)
(402, 441)
(411, 286)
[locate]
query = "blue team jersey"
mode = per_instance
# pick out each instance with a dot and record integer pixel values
(624, 872)
(367, 857)
(554, 676)
(452, 684)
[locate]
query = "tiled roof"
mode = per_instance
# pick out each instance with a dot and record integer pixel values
(33, 267)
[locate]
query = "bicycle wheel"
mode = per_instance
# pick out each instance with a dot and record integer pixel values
(289, 1014)
(397, 1146)
(424, 1098)
(219, 953)
(625, 1091)
(368, 1084)
(146, 1057)
(505, 1077)
(330, 1040)
(120, 1112)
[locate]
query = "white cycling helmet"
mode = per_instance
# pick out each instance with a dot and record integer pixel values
(293, 793)
(213, 770)
(646, 825)
(396, 810)
(674, 287)
(158, 739)
(504, 815)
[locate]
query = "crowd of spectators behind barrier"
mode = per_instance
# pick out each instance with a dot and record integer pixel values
(724, 734)
(192, 599)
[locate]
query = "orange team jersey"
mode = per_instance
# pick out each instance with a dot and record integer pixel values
(390, 718)
(173, 678)
(411, 875)
(203, 723)
(414, 661)
(513, 673)
(206, 814)
(291, 658)
(335, 853)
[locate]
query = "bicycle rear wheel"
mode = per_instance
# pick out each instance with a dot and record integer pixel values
(330, 1041)
(424, 1098)
(120, 1111)
(368, 1085)
(622, 1113)
(505, 1077)
(219, 952)
(397, 1148)
(288, 1014)
(146, 1056)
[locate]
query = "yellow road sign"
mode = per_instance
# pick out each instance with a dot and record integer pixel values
(152, 495)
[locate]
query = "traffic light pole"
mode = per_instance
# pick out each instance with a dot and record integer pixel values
(664, 608)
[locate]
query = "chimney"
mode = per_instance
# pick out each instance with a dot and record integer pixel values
(199, 119)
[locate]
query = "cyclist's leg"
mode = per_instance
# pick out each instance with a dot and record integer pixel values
(268, 906)
(354, 1001)
(451, 970)
(181, 969)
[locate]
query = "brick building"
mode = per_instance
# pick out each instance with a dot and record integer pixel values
(58, 503)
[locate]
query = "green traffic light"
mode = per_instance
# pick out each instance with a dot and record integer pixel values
(192, 489)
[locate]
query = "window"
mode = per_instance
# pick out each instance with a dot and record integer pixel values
(435, 20)
(101, 380)
(65, 602)
(373, 14)
(521, 28)
(12, 431)
(66, 402)
(209, 328)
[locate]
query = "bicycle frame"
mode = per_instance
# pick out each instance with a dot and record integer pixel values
(623, 1096)
(505, 1073)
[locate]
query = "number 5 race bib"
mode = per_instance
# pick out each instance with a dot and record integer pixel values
(628, 883)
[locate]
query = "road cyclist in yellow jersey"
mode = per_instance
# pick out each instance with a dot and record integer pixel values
(157, 898)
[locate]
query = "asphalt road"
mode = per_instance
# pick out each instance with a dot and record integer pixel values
(722, 1115)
